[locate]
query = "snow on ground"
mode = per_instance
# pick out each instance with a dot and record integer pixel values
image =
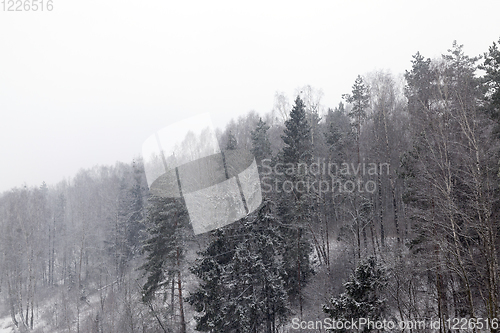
(6, 325)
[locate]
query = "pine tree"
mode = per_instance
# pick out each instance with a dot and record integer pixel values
(261, 147)
(491, 83)
(418, 88)
(295, 204)
(136, 210)
(125, 239)
(339, 132)
(317, 139)
(168, 219)
(296, 156)
(211, 295)
(297, 135)
(241, 273)
(360, 100)
(232, 143)
(363, 295)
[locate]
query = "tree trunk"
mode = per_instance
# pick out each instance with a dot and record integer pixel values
(181, 308)
(299, 231)
(381, 212)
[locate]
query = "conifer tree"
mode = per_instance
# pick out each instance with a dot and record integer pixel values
(232, 143)
(360, 100)
(418, 88)
(297, 135)
(295, 202)
(491, 83)
(168, 219)
(210, 296)
(241, 273)
(339, 133)
(261, 147)
(125, 238)
(363, 296)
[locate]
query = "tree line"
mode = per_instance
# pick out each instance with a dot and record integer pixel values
(418, 241)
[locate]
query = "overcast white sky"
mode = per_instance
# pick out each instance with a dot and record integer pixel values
(88, 82)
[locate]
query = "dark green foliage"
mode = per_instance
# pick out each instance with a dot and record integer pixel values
(129, 225)
(317, 138)
(261, 147)
(461, 84)
(360, 100)
(363, 296)
(295, 205)
(232, 144)
(135, 214)
(491, 65)
(419, 87)
(241, 273)
(297, 135)
(297, 149)
(339, 136)
(296, 254)
(460, 67)
(491, 83)
(167, 220)
(210, 296)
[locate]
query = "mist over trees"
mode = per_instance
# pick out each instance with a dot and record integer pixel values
(384, 206)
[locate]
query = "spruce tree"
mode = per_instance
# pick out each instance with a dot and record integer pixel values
(126, 231)
(360, 100)
(261, 147)
(232, 143)
(241, 277)
(297, 135)
(295, 202)
(419, 88)
(339, 135)
(167, 219)
(363, 295)
(210, 297)
(491, 83)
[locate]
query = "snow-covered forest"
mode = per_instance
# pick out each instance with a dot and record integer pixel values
(385, 206)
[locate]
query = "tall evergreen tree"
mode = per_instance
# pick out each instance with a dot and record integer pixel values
(297, 136)
(363, 296)
(295, 203)
(491, 82)
(261, 147)
(125, 240)
(360, 100)
(232, 143)
(241, 273)
(339, 132)
(168, 219)
(418, 88)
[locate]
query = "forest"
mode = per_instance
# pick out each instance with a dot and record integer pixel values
(378, 214)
